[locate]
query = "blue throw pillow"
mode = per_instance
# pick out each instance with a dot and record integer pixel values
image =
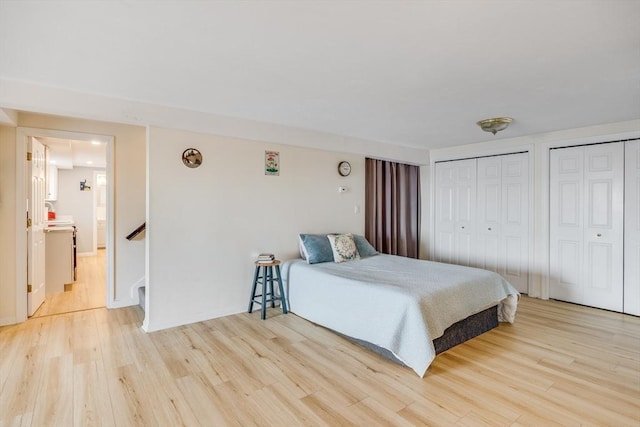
(364, 247)
(316, 248)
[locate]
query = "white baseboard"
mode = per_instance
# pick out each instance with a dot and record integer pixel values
(94, 253)
(133, 290)
(133, 298)
(121, 303)
(148, 326)
(5, 321)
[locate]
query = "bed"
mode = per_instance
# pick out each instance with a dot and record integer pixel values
(398, 304)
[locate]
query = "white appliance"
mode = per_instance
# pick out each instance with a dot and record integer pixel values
(60, 254)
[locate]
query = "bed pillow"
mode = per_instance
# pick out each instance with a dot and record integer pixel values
(344, 247)
(364, 247)
(315, 248)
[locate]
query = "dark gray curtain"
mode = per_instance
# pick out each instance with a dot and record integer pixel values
(392, 207)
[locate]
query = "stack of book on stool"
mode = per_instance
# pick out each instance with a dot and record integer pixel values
(266, 258)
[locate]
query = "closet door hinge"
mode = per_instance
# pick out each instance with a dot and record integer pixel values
(28, 288)
(29, 156)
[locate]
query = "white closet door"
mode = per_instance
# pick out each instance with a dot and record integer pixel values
(565, 224)
(503, 217)
(455, 211)
(604, 249)
(514, 221)
(444, 250)
(632, 228)
(465, 213)
(586, 244)
(489, 213)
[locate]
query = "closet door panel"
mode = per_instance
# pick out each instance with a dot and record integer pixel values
(445, 244)
(632, 229)
(514, 214)
(448, 212)
(603, 232)
(569, 256)
(489, 213)
(565, 224)
(465, 250)
(482, 215)
(488, 250)
(444, 224)
(465, 212)
(586, 242)
(513, 259)
(514, 220)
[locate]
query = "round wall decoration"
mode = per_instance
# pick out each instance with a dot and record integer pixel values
(344, 168)
(191, 158)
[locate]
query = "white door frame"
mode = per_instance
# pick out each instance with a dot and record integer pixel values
(631, 304)
(94, 220)
(22, 135)
(95, 209)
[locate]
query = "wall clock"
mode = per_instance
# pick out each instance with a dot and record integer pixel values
(344, 168)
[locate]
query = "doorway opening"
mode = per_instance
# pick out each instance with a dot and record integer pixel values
(78, 206)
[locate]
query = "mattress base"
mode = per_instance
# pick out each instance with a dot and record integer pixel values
(466, 329)
(455, 334)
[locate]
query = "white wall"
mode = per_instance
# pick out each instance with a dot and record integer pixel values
(7, 225)
(25, 96)
(79, 204)
(205, 226)
(538, 147)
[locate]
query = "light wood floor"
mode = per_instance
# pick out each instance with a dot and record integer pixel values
(88, 291)
(559, 364)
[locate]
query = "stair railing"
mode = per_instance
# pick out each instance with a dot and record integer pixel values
(137, 231)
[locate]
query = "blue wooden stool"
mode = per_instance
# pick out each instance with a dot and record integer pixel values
(266, 277)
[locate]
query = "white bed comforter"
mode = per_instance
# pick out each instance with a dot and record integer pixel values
(396, 303)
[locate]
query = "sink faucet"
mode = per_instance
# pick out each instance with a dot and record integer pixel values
(49, 205)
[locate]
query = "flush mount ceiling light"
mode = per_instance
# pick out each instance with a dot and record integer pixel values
(495, 125)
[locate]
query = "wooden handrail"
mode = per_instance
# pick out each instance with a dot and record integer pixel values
(137, 231)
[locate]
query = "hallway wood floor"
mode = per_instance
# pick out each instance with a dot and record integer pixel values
(89, 291)
(559, 364)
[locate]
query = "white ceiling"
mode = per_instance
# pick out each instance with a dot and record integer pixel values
(412, 73)
(69, 153)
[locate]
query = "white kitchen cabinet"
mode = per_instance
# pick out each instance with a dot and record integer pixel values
(59, 259)
(52, 183)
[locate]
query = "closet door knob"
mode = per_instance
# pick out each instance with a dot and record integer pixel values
(599, 235)
(462, 227)
(489, 228)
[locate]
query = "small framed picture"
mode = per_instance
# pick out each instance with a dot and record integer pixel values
(271, 163)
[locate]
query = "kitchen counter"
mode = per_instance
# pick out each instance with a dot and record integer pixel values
(57, 228)
(61, 221)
